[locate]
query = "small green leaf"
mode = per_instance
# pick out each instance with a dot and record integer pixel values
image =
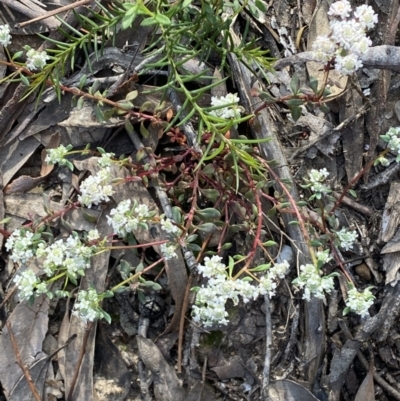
(207, 228)
(194, 247)
(296, 112)
(294, 223)
(82, 81)
(80, 103)
(261, 6)
(208, 214)
(295, 84)
(162, 19)
(269, 243)
(149, 21)
(24, 79)
(128, 126)
(315, 243)
(353, 193)
(314, 84)
(143, 130)
(226, 246)
(132, 95)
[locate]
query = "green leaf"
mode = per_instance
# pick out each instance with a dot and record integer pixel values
(353, 193)
(80, 103)
(211, 194)
(294, 102)
(24, 79)
(295, 84)
(128, 126)
(149, 21)
(294, 223)
(207, 228)
(194, 247)
(315, 243)
(261, 268)
(129, 16)
(132, 95)
(269, 243)
(82, 81)
(208, 214)
(314, 84)
(226, 246)
(162, 19)
(261, 6)
(295, 112)
(143, 130)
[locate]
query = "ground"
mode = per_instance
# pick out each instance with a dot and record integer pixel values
(236, 188)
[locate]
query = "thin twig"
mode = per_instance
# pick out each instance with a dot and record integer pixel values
(21, 364)
(53, 12)
(79, 362)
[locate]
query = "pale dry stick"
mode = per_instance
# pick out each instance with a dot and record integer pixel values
(21, 364)
(53, 12)
(268, 351)
(79, 361)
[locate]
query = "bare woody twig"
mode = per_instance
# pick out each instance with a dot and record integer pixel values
(53, 12)
(24, 368)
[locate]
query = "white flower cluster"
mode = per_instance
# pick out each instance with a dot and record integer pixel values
(87, 305)
(22, 245)
(169, 227)
(36, 60)
(313, 283)
(57, 155)
(69, 254)
(346, 238)
(27, 283)
(227, 106)
(393, 140)
(359, 302)
(105, 160)
(347, 40)
(125, 218)
(315, 182)
(5, 37)
(96, 188)
(168, 251)
(211, 299)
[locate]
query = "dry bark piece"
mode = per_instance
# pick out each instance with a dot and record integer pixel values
(167, 386)
(289, 390)
(29, 324)
(391, 214)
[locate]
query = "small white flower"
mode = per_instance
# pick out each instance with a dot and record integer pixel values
(169, 227)
(267, 285)
(346, 238)
(5, 37)
(57, 155)
(324, 49)
(367, 92)
(279, 269)
(93, 235)
(346, 33)
(232, 111)
(105, 160)
(348, 64)
(21, 245)
(340, 9)
(324, 256)
(212, 267)
(125, 219)
(87, 305)
(96, 188)
(360, 302)
(36, 60)
(168, 251)
(26, 283)
(360, 47)
(366, 16)
(313, 284)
